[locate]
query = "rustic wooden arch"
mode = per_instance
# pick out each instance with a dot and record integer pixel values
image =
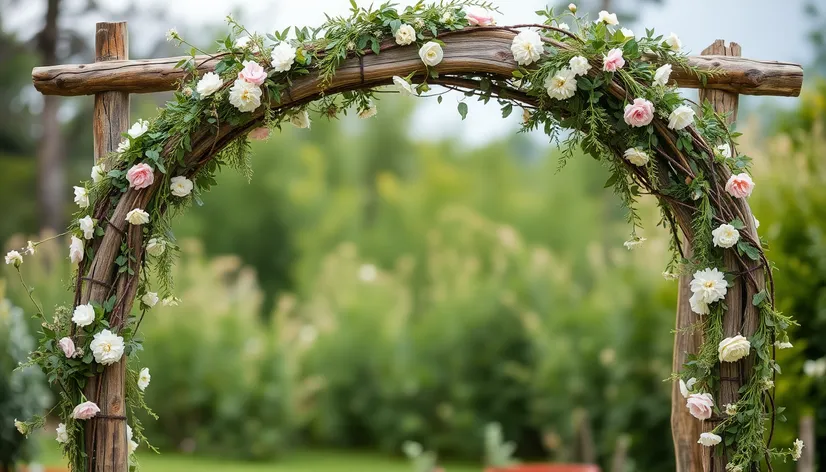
(475, 51)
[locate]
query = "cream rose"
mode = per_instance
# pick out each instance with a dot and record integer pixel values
(244, 96)
(635, 156)
(137, 217)
(62, 434)
(87, 225)
(527, 47)
(301, 119)
(98, 173)
(709, 439)
(662, 74)
(607, 18)
(673, 42)
(725, 236)
(733, 349)
(144, 378)
(209, 84)
(81, 197)
(404, 87)
(180, 186)
(681, 117)
(155, 247)
(149, 299)
(579, 65)
(283, 57)
(405, 35)
(368, 112)
(76, 250)
(84, 315)
(107, 347)
(431, 53)
(561, 85)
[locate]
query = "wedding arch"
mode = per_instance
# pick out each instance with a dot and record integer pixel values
(615, 90)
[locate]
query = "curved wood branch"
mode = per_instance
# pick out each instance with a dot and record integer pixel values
(737, 75)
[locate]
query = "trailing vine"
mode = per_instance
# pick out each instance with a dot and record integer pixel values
(610, 87)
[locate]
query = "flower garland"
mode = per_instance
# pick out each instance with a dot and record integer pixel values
(608, 85)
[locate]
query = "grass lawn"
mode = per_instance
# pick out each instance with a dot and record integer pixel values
(301, 461)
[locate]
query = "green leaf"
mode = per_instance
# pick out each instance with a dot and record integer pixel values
(759, 297)
(750, 251)
(611, 180)
(737, 223)
(507, 110)
(463, 109)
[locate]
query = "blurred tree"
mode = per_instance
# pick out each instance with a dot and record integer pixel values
(815, 10)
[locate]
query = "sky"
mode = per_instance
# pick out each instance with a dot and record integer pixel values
(697, 22)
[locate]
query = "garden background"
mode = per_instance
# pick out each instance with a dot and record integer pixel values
(386, 280)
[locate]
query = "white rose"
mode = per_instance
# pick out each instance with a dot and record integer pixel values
(209, 84)
(725, 150)
(62, 435)
(138, 129)
(81, 197)
(607, 18)
(155, 247)
(405, 35)
(76, 250)
(527, 47)
(133, 446)
(98, 172)
(404, 87)
(783, 345)
(431, 53)
(301, 119)
(149, 299)
(627, 33)
(123, 146)
(137, 217)
(686, 387)
(636, 156)
(244, 96)
(709, 439)
(171, 301)
(662, 74)
(733, 349)
(368, 112)
(572, 7)
(632, 244)
(14, 257)
(681, 117)
(673, 42)
(563, 26)
(84, 315)
(180, 186)
(709, 284)
(698, 305)
(87, 225)
(725, 236)
(144, 378)
(283, 57)
(730, 408)
(579, 65)
(244, 41)
(561, 85)
(107, 347)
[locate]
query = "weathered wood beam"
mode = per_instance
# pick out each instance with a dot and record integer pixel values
(735, 74)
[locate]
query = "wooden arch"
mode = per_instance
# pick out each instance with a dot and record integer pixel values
(475, 51)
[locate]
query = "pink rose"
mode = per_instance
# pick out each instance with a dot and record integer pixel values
(740, 185)
(613, 60)
(85, 410)
(68, 346)
(253, 73)
(700, 405)
(639, 113)
(479, 16)
(140, 176)
(259, 134)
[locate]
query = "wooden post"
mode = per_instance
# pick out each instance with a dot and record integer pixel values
(807, 435)
(106, 434)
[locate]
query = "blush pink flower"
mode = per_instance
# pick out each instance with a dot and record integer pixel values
(479, 16)
(85, 410)
(639, 113)
(259, 134)
(253, 73)
(740, 185)
(700, 405)
(140, 176)
(613, 60)
(68, 346)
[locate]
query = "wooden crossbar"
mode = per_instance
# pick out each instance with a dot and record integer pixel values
(734, 74)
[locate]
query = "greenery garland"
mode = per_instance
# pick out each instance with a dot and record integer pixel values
(606, 85)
